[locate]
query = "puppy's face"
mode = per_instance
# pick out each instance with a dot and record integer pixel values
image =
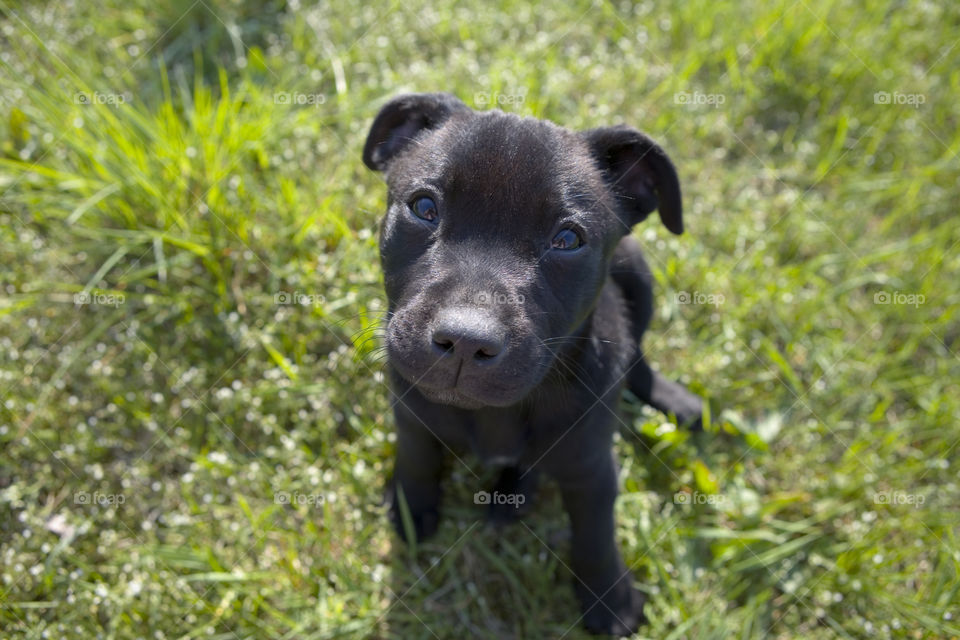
(497, 239)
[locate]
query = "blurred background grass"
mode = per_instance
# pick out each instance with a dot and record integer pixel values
(184, 453)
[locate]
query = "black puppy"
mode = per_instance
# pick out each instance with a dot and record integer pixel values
(516, 304)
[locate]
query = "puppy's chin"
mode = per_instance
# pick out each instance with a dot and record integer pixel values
(451, 397)
(468, 398)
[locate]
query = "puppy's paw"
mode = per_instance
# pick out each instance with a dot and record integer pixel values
(424, 515)
(618, 613)
(425, 523)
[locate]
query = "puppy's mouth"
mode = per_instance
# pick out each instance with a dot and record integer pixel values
(454, 389)
(452, 397)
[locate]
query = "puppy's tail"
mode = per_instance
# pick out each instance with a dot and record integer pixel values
(632, 275)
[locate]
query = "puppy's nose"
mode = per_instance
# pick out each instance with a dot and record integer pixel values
(473, 335)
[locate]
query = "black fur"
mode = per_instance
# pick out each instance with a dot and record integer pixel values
(501, 345)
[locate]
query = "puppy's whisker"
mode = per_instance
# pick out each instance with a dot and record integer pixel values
(567, 339)
(341, 320)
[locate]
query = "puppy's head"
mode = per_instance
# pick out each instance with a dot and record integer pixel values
(498, 236)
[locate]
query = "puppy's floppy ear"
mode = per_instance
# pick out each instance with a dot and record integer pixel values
(640, 174)
(401, 120)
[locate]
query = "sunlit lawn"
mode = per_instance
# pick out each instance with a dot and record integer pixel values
(194, 430)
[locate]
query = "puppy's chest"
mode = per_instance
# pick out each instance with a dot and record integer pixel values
(514, 437)
(498, 437)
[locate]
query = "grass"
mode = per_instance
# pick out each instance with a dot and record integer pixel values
(183, 454)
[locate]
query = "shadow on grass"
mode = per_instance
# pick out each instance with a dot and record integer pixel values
(476, 579)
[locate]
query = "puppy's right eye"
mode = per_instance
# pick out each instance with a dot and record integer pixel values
(567, 240)
(424, 208)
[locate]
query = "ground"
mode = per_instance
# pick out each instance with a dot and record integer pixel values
(194, 430)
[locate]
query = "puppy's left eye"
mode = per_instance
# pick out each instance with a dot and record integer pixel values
(424, 208)
(566, 240)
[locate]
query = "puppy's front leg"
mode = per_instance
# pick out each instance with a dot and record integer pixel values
(417, 473)
(610, 603)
